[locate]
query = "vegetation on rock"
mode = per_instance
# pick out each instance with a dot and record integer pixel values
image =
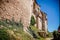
(10, 30)
(32, 22)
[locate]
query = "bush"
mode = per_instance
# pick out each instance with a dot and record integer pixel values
(32, 22)
(4, 35)
(56, 35)
(34, 31)
(12, 23)
(50, 34)
(3, 22)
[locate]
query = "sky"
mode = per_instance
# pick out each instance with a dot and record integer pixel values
(51, 8)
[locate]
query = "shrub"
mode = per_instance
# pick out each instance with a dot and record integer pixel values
(32, 22)
(3, 22)
(50, 34)
(4, 35)
(56, 35)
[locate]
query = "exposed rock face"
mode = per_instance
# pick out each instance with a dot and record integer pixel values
(16, 9)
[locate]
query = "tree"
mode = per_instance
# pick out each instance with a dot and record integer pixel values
(32, 22)
(56, 34)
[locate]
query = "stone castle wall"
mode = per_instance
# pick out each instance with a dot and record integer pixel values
(21, 10)
(16, 9)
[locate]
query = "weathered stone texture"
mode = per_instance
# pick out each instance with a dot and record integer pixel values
(16, 9)
(22, 10)
(39, 24)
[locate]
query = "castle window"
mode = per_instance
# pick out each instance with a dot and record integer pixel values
(7, 1)
(38, 9)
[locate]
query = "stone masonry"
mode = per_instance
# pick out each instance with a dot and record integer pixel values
(16, 9)
(23, 10)
(41, 19)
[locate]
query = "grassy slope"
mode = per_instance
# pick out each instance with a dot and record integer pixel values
(15, 34)
(15, 31)
(36, 30)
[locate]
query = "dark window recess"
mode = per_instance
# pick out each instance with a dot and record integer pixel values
(38, 9)
(7, 1)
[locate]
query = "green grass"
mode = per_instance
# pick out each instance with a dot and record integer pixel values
(36, 30)
(16, 28)
(4, 35)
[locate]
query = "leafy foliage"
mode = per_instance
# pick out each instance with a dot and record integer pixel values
(16, 28)
(56, 35)
(50, 34)
(32, 22)
(34, 31)
(4, 35)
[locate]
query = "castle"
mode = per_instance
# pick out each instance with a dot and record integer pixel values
(23, 10)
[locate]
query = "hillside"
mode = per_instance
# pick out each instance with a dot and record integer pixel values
(11, 31)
